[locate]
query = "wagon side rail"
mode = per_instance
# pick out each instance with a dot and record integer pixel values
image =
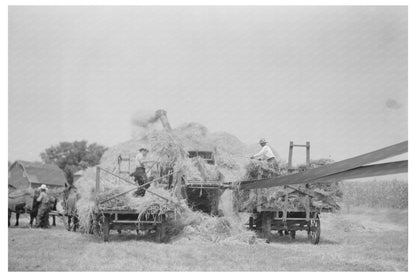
(97, 186)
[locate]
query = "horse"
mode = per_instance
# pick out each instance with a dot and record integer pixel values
(69, 202)
(20, 201)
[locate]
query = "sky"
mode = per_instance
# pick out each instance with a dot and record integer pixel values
(334, 76)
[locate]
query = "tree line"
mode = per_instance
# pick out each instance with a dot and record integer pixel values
(72, 156)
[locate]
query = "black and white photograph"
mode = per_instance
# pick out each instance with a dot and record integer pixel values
(209, 138)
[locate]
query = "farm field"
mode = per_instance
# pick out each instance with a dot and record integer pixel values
(360, 240)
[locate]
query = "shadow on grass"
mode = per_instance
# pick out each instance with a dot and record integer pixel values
(126, 236)
(285, 239)
(150, 237)
(27, 226)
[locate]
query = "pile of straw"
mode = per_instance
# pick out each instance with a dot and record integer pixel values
(200, 226)
(170, 150)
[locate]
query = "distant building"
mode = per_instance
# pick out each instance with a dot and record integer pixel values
(24, 175)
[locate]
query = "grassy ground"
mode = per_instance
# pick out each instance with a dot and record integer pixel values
(361, 240)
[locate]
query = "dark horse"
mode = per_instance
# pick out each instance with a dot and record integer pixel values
(19, 202)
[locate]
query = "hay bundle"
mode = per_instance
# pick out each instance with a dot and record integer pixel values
(170, 148)
(167, 147)
(325, 195)
(261, 170)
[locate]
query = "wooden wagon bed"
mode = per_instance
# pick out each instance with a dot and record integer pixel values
(116, 219)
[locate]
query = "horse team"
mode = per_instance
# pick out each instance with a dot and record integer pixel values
(26, 202)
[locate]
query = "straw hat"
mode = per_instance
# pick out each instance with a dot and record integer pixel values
(143, 149)
(44, 187)
(262, 140)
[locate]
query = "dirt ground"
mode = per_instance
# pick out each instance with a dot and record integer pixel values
(360, 240)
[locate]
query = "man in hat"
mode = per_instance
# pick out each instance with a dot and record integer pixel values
(140, 175)
(266, 154)
(141, 157)
(42, 219)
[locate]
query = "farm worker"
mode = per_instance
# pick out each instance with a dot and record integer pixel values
(141, 157)
(266, 153)
(42, 219)
(35, 206)
(140, 175)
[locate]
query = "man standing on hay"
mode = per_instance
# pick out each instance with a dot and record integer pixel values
(266, 154)
(140, 175)
(42, 219)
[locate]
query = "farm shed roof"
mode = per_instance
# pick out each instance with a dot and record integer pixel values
(40, 173)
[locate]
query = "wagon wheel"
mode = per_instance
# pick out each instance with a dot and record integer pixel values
(106, 227)
(266, 226)
(292, 234)
(161, 232)
(251, 223)
(314, 230)
(155, 210)
(258, 222)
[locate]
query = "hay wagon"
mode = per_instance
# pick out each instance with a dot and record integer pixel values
(266, 220)
(306, 217)
(153, 219)
(150, 220)
(290, 210)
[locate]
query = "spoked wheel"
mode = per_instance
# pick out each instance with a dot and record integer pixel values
(314, 232)
(106, 227)
(154, 212)
(292, 234)
(161, 232)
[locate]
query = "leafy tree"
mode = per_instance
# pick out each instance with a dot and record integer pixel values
(73, 156)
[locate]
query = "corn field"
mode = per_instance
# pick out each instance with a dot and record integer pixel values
(376, 193)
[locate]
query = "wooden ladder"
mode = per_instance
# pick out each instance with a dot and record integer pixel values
(307, 145)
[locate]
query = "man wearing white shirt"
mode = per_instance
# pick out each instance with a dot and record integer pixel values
(141, 157)
(266, 153)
